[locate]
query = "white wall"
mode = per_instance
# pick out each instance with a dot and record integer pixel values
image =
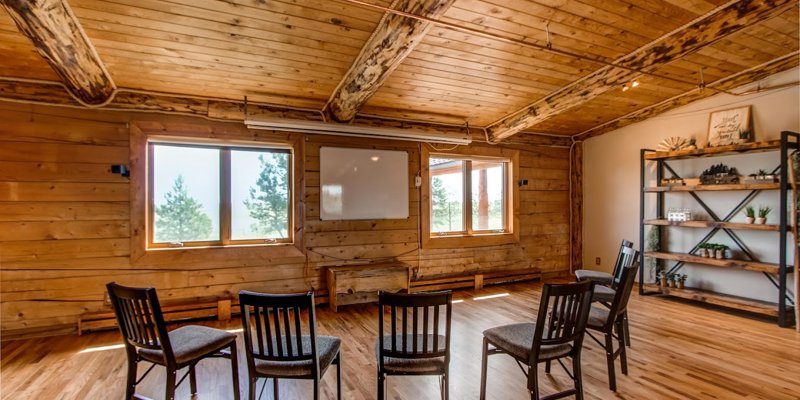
(611, 184)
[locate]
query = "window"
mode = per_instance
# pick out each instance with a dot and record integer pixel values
(206, 195)
(468, 195)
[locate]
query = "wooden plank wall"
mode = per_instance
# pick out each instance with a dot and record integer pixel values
(65, 224)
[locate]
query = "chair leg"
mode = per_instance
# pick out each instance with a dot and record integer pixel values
(339, 376)
(275, 388)
(170, 389)
(577, 376)
(251, 393)
(612, 381)
(623, 358)
(533, 381)
(381, 389)
(446, 384)
(547, 367)
(484, 366)
(627, 331)
(235, 370)
(130, 386)
(192, 380)
(316, 389)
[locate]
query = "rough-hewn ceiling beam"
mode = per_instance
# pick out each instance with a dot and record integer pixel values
(59, 38)
(393, 39)
(707, 30)
(746, 77)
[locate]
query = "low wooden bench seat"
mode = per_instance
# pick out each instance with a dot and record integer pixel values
(475, 280)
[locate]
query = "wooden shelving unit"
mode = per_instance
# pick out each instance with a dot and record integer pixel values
(709, 297)
(776, 272)
(715, 224)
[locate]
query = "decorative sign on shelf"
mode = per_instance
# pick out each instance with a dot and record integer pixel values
(726, 127)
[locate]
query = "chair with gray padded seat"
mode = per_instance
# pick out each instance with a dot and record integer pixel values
(608, 319)
(145, 335)
(423, 348)
(278, 346)
(558, 333)
(601, 277)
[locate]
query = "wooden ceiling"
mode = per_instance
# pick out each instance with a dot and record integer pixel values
(296, 53)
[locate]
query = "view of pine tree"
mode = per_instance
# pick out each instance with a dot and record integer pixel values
(269, 200)
(447, 215)
(181, 217)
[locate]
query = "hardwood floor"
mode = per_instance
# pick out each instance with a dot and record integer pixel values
(679, 351)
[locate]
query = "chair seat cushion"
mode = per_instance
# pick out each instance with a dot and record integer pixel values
(327, 349)
(598, 316)
(516, 339)
(432, 365)
(596, 276)
(191, 343)
(603, 294)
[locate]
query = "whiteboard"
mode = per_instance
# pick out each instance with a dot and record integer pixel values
(363, 184)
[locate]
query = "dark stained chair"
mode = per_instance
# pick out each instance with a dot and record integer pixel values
(558, 333)
(601, 277)
(414, 343)
(146, 339)
(607, 320)
(280, 335)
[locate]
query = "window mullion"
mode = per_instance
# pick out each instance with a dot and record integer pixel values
(225, 196)
(468, 196)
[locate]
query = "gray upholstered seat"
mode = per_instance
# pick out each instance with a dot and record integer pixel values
(597, 276)
(603, 293)
(597, 317)
(431, 365)
(190, 343)
(327, 348)
(517, 339)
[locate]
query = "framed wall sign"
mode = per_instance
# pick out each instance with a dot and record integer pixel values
(732, 126)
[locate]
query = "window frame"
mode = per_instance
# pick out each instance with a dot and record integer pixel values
(225, 206)
(470, 237)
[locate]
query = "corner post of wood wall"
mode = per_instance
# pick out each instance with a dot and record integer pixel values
(576, 205)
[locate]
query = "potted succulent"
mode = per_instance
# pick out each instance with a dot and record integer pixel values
(750, 212)
(671, 279)
(663, 277)
(762, 214)
(702, 250)
(682, 281)
(719, 251)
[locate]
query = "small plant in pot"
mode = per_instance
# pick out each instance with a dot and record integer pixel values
(750, 212)
(671, 278)
(682, 281)
(719, 251)
(702, 250)
(762, 214)
(663, 277)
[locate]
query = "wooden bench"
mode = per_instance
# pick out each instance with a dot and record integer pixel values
(475, 280)
(355, 284)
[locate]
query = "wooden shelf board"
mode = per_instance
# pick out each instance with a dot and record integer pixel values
(699, 188)
(723, 263)
(716, 151)
(714, 224)
(706, 296)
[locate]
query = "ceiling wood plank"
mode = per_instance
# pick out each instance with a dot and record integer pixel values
(683, 41)
(393, 39)
(743, 78)
(58, 37)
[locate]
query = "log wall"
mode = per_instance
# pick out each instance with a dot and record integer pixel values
(66, 222)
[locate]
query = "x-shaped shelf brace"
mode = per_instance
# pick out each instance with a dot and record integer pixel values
(736, 239)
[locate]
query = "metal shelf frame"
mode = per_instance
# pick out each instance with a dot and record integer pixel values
(789, 144)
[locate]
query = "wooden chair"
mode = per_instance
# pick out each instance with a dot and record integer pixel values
(558, 333)
(281, 339)
(422, 350)
(601, 277)
(146, 339)
(608, 319)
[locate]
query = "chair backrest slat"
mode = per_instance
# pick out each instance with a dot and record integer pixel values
(563, 312)
(620, 262)
(418, 339)
(275, 325)
(140, 319)
(623, 293)
(627, 257)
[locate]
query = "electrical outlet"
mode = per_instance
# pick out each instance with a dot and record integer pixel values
(597, 261)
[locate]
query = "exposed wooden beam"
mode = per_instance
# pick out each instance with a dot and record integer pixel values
(707, 30)
(53, 93)
(576, 203)
(393, 39)
(59, 38)
(748, 76)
